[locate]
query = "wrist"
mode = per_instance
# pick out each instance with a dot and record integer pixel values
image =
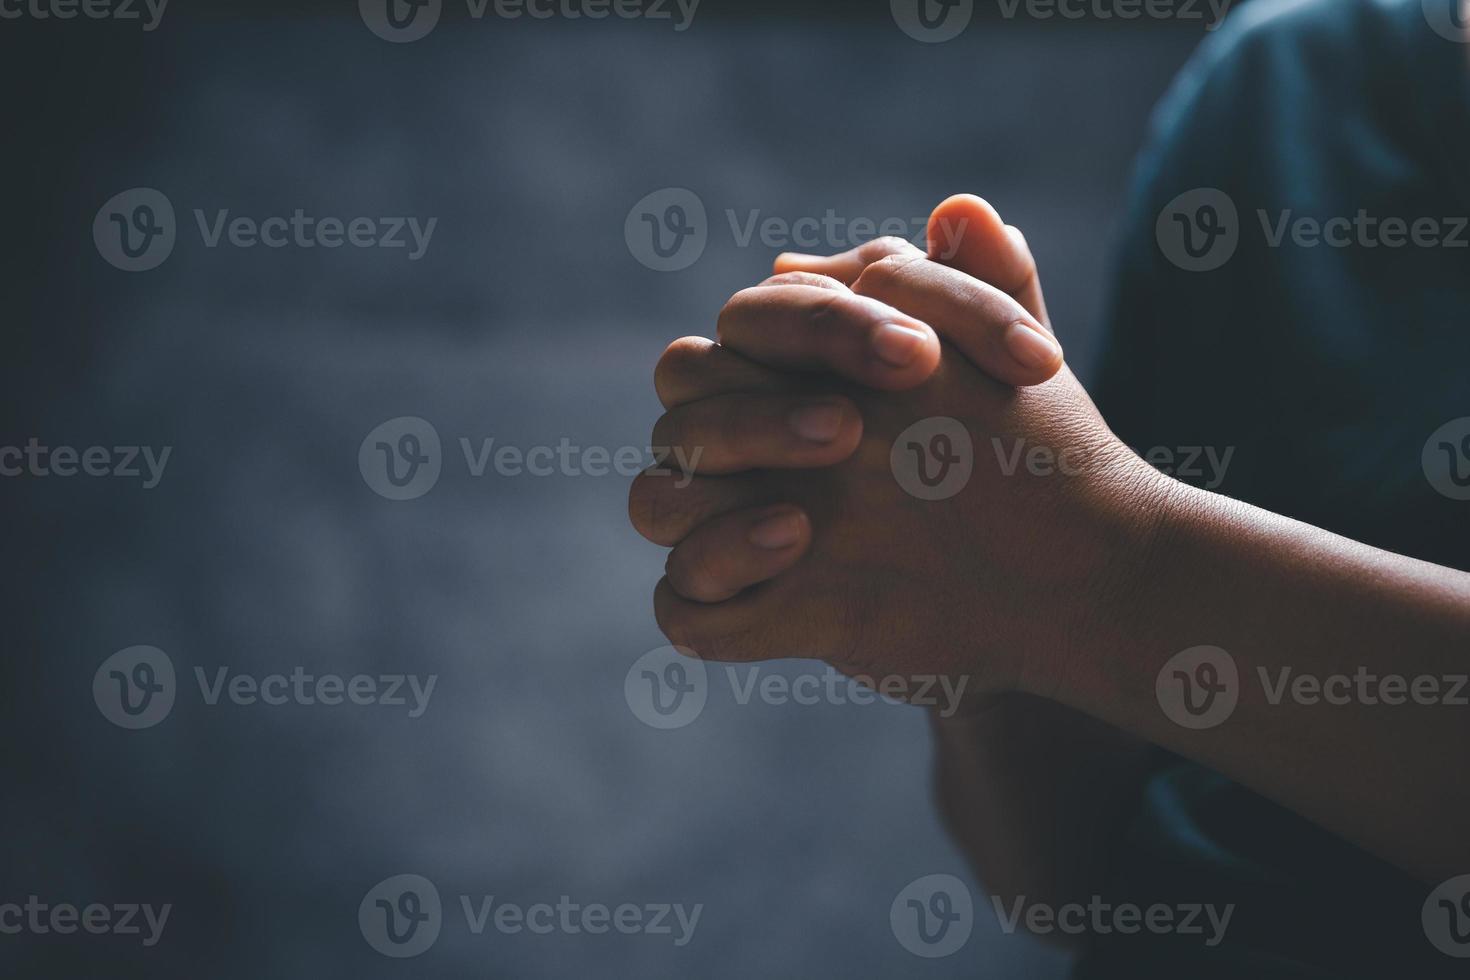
(1131, 513)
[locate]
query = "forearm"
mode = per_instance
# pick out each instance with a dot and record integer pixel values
(1287, 601)
(1034, 793)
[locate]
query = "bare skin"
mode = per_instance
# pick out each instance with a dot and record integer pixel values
(1072, 589)
(1030, 789)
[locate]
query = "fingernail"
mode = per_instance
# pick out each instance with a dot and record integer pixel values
(1029, 347)
(795, 258)
(897, 346)
(818, 422)
(776, 532)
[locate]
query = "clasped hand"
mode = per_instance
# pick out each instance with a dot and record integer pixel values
(798, 536)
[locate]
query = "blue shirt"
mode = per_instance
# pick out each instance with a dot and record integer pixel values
(1327, 368)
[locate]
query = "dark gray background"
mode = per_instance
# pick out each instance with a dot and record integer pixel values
(528, 320)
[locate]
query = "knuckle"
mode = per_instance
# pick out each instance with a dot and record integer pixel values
(1028, 267)
(706, 431)
(826, 313)
(699, 572)
(640, 508)
(676, 363)
(735, 431)
(888, 245)
(1026, 260)
(713, 647)
(681, 354)
(738, 643)
(650, 510)
(816, 279)
(671, 618)
(668, 431)
(879, 275)
(735, 305)
(661, 430)
(1026, 270)
(710, 576)
(685, 349)
(871, 282)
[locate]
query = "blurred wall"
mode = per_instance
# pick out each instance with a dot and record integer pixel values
(528, 319)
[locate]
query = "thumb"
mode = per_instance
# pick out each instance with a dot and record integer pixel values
(967, 234)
